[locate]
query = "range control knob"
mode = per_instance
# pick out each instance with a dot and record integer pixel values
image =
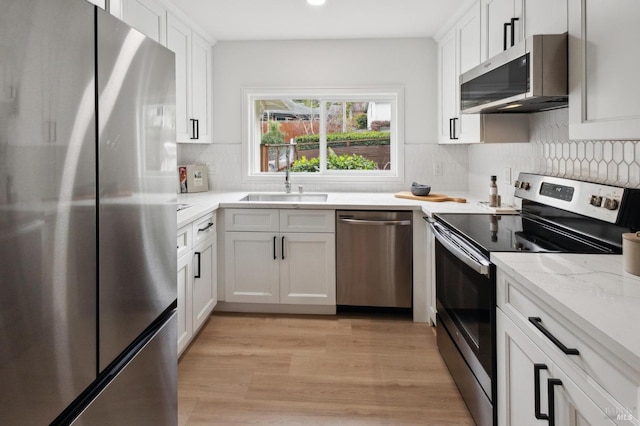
(517, 184)
(610, 204)
(596, 200)
(525, 185)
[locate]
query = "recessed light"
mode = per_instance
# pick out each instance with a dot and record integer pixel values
(316, 2)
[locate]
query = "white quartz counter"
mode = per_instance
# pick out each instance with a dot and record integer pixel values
(206, 202)
(593, 291)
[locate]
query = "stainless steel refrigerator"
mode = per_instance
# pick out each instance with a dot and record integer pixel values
(87, 219)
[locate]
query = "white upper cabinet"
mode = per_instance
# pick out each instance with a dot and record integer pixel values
(193, 82)
(500, 23)
(603, 64)
(507, 22)
(147, 16)
(448, 87)
(201, 94)
(458, 51)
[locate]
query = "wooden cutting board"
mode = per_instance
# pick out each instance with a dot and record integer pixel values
(430, 197)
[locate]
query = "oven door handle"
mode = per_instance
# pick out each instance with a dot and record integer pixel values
(461, 250)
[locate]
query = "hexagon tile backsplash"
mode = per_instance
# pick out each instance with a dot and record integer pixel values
(610, 162)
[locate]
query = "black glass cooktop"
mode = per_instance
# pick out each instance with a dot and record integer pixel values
(509, 233)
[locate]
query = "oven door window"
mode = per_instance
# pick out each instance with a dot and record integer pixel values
(469, 301)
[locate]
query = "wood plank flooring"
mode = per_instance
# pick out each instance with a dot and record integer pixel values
(246, 369)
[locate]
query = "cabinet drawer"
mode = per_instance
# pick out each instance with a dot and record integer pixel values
(307, 221)
(185, 240)
(204, 228)
(256, 220)
(600, 369)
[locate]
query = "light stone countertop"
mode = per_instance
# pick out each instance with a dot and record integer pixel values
(205, 202)
(593, 291)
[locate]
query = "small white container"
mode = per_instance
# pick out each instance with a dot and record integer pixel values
(631, 252)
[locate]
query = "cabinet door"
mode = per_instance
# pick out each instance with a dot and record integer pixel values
(495, 14)
(448, 94)
(544, 17)
(204, 281)
(307, 269)
(516, 356)
(146, 16)
(185, 317)
(468, 34)
(252, 267)
(179, 41)
(603, 97)
(200, 90)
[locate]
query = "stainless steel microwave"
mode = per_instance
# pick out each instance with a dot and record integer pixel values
(528, 77)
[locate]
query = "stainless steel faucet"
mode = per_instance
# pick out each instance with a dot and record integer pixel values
(287, 183)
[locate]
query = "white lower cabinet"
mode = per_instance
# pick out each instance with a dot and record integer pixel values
(430, 262)
(280, 256)
(532, 389)
(558, 376)
(197, 272)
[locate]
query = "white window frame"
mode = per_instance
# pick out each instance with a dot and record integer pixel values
(251, 131)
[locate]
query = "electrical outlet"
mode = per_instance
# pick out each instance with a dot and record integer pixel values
(506, 175)
(213, 169)
(437, 168)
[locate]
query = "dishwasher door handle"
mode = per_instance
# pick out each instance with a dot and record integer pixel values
(375, 222)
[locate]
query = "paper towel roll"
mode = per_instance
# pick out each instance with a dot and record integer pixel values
(631, 252)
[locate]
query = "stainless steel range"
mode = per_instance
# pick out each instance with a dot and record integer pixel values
(558, 215)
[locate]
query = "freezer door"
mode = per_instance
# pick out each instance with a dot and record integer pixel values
(137, 184)
(47, 208)
(144, 392)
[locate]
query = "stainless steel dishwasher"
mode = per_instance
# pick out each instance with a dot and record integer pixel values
(374, 258)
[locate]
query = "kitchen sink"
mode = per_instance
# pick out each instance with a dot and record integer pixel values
(283, 197)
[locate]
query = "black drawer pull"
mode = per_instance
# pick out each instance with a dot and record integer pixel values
(537, 322)
(209, 225)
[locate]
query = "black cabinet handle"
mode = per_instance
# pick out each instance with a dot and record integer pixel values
(504, 35)
(537, 322)
(197, 275)
(274, 248)
(513, 31)
(209, 225)
(452, 128)
(195, 129)
(282, 247)
(198, 121)
(536, 391)
(552, 400)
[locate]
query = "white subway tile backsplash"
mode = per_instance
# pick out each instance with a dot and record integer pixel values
(464, 167)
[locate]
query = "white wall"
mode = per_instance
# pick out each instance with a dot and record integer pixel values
(406, 62)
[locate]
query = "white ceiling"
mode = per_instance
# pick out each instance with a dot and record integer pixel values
(337, 19)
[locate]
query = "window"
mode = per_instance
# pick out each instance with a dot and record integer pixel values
(323, 134)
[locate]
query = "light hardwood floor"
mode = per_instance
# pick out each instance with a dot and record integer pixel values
(316, 370)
